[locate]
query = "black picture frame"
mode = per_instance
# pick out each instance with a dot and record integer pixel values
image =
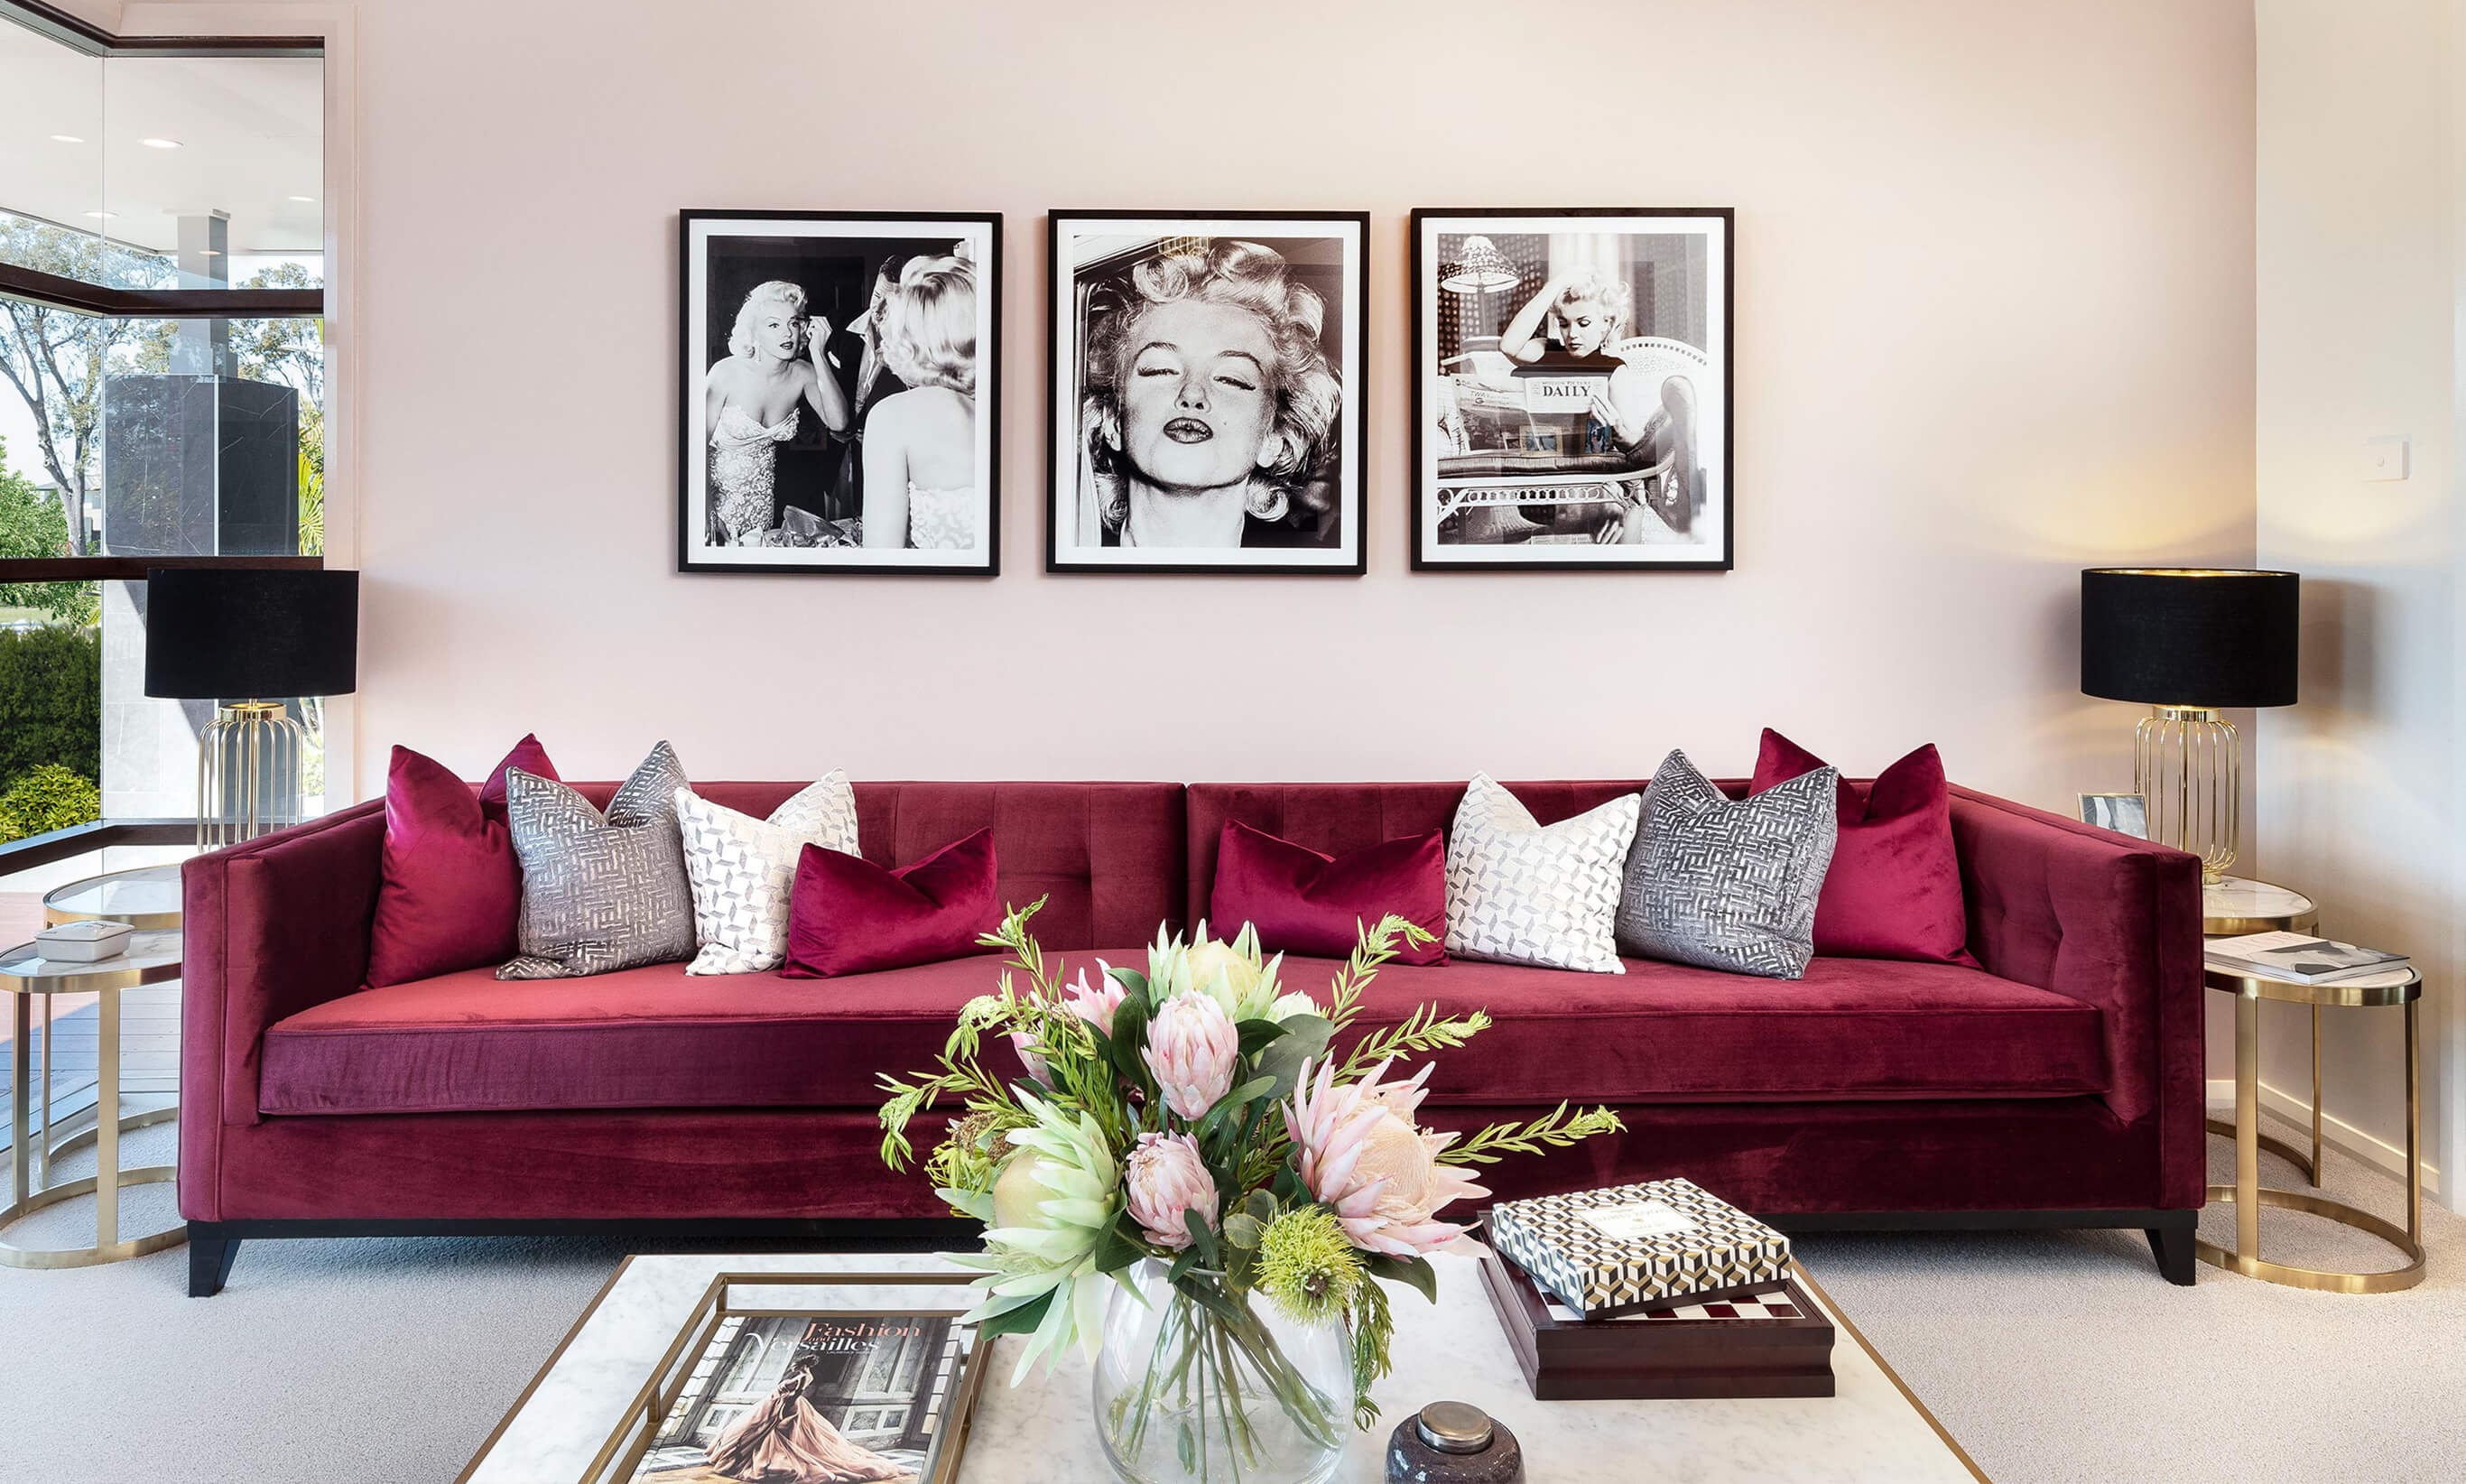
(693, 324)
(1424, 510)
(1066, 359)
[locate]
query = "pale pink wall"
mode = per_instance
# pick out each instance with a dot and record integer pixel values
(1994, 323)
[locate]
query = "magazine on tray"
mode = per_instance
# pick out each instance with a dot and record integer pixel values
(804, 1396)
(2298, 957)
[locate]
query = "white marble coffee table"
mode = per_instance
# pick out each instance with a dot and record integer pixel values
(1871, 1429)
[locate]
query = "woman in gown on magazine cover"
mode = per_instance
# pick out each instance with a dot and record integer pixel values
(785, 1441)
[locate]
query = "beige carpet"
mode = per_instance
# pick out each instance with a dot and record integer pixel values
(2052, 1358)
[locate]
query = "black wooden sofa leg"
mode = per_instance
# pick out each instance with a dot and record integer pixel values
(210, 1258)
(2171, 1245)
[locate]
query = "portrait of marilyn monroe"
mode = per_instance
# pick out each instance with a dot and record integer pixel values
(1214, 401)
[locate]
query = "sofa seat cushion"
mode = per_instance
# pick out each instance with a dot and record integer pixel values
(648, 1037)
(1851, 1028)
(653, 1037)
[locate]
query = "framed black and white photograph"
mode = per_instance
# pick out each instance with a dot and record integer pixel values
(1571, 389)
(838, 411)
(1206, 392)
(2126, 814)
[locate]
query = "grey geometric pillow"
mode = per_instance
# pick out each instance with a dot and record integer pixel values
(1728, 884)
(600, 892)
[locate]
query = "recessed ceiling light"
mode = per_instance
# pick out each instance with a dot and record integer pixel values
(160, 144)
(311, 200)
(102, 216)
(67, 139)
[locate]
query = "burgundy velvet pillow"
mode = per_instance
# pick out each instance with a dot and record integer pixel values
(847, 915)
(449, 888)
(1303, 902)
(1893, 890)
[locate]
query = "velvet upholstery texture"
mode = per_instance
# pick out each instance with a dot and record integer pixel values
(1980, 1155)
(450, 887)
(655, 1037)
(279, 927)
(1305, 901)
(1893, 890)
(847, 915)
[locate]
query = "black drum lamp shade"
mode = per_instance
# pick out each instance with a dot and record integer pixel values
(2189, 638)
(249, 633)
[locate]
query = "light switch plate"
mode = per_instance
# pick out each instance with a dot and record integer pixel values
(2383, 459)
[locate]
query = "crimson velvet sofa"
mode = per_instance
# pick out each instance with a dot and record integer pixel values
(2056, 1085)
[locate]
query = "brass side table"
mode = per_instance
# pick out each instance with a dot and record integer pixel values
(151, 958)
(2398, 987)
(2230, 907)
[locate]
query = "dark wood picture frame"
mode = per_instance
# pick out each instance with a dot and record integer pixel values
(988, 398)
(1061, 452)
(1422, 353)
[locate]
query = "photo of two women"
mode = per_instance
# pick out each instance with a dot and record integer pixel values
(838, 395)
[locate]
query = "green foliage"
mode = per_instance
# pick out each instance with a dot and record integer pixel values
(47, 799)
(1556, 1129)
(32, 526)
(50, 701)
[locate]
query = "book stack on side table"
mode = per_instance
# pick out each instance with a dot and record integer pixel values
(1656, 1290)
(2298, 958)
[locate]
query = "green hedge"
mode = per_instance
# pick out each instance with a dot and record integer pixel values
(47, 799)
(50, 701)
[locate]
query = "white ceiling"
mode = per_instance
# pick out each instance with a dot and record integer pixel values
(251, 132)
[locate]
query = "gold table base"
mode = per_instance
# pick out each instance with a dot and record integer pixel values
(32, 1147)
(2248, 1195)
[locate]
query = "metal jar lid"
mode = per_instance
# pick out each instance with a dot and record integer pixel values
(1454, 1427)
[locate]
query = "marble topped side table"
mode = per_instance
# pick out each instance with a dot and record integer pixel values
(2397, 988)
(152, 957)
(2230, 907)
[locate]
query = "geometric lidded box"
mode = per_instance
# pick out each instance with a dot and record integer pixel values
(1766, 1340)
(1607, 1252)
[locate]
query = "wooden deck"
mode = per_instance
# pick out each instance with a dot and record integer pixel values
(149, 1036)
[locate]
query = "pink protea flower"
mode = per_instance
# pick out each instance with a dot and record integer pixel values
(1096, 1006)
(1025, 1045)
(1191, 1048)
(1358, 1149)
(1165, 1177)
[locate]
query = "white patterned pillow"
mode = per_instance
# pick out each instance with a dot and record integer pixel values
(1523, 893)
(744, 869)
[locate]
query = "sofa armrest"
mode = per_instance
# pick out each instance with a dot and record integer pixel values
(2112, 922)
(270, 928)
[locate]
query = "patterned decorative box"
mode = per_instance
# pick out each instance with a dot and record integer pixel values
(1764, 1339)
(1612, 1250)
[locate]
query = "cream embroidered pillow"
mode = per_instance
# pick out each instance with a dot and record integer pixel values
(1524, 893)
(741, 869)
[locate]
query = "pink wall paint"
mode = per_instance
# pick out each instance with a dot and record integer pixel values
(1994, 324)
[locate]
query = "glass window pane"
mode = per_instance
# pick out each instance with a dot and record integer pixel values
(195, 463)
(218, 165)
(51, 155)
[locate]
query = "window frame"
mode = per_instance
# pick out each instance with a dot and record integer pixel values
(76, 297)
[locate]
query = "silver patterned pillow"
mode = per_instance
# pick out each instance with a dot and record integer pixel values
(600, 892)
(1520, 892)
(1728, 884)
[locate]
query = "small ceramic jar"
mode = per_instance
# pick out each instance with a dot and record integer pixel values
(1454, 1443)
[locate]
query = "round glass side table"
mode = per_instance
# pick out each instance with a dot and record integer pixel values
(2397, 988)
(151, 958)
(2230, 907)
(147, 899)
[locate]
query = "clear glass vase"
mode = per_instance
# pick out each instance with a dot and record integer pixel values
(1228, 1391)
